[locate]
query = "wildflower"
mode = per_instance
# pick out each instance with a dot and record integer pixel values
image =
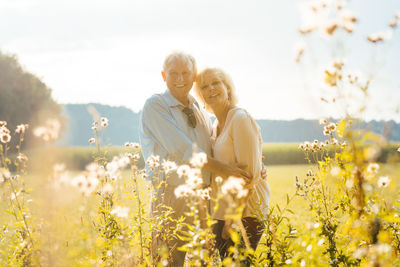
(301, 146)
(133, 156)
(104, 122)
(383, 248)
(50, 131)
(360, 253)
(338, 64)
(107, 189)
(5, 138)
(380, 36)
(91, 184)
(121, 212)
(383, 181)
(4, 175)
(234, 186)
(112, 170)
(22, 158)
(331, 127)
(218, 179)
(330, 28)
(21, 128)
(332, 77)
(194, 181)
(183, 170)
(109, 253)
(134, 145)
(309, 248)
(335, 171)
(349, 183)
(300, 49)
(184, 191)
(398, 150)
(289, 261)
(306, 29)
(303, 263)
(60, 167)
(168, 166)
(122, 161)
(3, 123)
(375, 208)
(153, 161)
(198, 159)
(92, 140)
(321, 242)
(15, 195)
(93, 167)
(395, 22)
(79, 181)
(373, 168)
(348, 20)
(322, 121)
(204, 193)
(95, 126)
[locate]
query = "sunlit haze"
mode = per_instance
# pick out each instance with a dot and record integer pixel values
(111, 52)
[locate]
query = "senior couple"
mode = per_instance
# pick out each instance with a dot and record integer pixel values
(174, 126)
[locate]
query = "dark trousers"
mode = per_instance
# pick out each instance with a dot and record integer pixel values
(254, 230)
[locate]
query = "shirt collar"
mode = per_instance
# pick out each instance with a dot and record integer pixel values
(173, 102)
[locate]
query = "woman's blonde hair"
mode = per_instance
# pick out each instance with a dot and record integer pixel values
(220, 75)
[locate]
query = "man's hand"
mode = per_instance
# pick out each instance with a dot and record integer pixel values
(224, 170)
(239, 170)
(264, 172)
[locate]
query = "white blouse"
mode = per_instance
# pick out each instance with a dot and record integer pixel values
(240, 142)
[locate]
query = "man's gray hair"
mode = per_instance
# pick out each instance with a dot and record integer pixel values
(182, 56)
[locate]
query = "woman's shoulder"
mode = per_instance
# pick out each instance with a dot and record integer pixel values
(240, 114)
(241, 118)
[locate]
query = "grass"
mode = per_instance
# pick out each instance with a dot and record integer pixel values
(69, 216)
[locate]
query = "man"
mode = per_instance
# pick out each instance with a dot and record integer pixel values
(173, 126)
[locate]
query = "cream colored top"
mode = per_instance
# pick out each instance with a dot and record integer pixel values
(240, 142)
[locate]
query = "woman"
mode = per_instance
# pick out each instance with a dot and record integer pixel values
(237, 139)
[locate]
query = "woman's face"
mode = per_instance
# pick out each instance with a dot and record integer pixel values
(214, 91)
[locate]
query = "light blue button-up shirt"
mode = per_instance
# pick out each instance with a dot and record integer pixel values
(164, 131)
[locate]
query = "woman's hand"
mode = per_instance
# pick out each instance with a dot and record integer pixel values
(225, 170)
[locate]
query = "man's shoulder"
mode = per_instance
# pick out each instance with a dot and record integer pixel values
(155, 100)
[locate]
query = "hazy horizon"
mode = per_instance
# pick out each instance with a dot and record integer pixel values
(112, 53)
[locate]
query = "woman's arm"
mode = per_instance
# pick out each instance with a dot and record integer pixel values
(221, 169)
(247, 142)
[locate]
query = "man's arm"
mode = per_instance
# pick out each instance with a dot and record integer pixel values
(158, 126)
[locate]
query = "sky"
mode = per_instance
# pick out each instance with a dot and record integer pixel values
(111, 52)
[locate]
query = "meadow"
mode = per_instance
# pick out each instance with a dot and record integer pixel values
(66, 220)
(335, 202)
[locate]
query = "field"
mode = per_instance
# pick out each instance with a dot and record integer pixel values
(66, 219)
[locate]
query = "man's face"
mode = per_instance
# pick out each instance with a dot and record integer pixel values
(179, 77)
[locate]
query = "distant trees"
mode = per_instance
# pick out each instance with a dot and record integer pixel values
(24, 98)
